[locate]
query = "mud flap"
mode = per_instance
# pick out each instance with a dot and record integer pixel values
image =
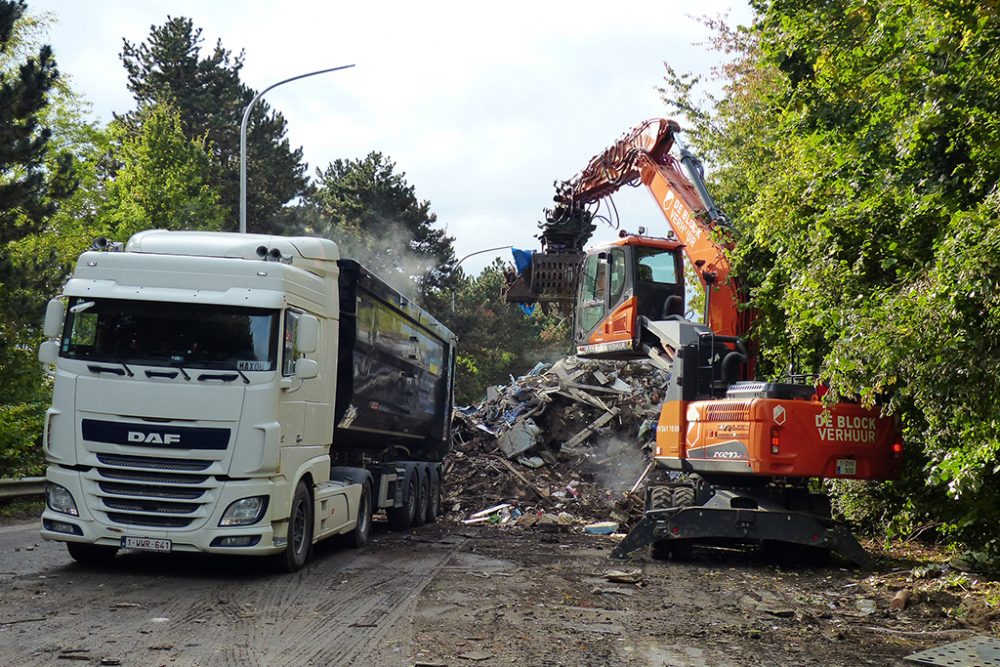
(742, 525)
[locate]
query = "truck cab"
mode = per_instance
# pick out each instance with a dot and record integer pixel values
(195, 387)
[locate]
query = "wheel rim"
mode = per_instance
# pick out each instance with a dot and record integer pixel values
(299, 526)
(411, 502)
(364, 518)
(424, 497)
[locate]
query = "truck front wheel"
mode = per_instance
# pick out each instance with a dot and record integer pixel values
(300, 530)
(91, 554)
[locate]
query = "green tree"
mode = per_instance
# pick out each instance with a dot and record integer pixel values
(370, 209)
(210, 97)
(856, 145)
(35, 175)
(162, 178)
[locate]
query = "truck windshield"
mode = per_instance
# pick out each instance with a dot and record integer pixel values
(157, 333)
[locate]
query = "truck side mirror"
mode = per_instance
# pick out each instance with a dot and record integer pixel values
(48, 352)
(306, 369)
(307, 336)
(54, 313)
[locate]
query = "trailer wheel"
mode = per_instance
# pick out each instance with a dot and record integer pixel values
(434, 497)
(423, 498)
(401, 518)
(300, 530)
(94, 555)
(358, 537)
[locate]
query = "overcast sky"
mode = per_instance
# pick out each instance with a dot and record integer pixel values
(481, 105)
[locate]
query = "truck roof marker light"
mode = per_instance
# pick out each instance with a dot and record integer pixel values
(262, 274)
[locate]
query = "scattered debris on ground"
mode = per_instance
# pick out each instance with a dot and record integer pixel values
(568, 444)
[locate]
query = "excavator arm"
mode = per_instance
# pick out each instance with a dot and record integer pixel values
(642, 155)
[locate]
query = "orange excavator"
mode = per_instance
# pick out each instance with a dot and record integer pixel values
(737, 454)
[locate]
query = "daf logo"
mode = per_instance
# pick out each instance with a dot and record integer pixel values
(779, 415)
(154, 438)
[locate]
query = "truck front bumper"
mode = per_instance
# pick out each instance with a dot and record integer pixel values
(92, 527)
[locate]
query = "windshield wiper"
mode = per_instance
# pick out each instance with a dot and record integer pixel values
(225, 377)
(94, 368)
(183, 372)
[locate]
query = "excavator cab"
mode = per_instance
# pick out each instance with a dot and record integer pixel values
(620, 283)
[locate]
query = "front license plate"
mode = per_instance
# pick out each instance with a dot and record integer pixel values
(847, 467)
(146, 544)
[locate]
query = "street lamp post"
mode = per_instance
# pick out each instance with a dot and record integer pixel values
(471, 254)
(243, 139)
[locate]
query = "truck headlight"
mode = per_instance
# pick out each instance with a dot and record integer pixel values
(244, 511)
(59, 499)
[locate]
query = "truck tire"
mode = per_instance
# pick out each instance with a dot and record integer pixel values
(434, 496)
(401, 518)
(300, 530)
(423, 497)
(358, 537)
(94, 555)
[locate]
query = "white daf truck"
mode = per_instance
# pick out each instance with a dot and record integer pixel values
(235, 393)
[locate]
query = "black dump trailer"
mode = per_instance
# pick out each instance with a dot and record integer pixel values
(395, 381)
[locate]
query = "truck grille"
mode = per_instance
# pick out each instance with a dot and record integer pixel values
(151, 463)
(153, 492)
(149, 521)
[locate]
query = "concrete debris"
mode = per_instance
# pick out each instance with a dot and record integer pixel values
(572, 437)
(624, 576)
(521, 437)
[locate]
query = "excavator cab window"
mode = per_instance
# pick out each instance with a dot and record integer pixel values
(657, 265)
(659, 284)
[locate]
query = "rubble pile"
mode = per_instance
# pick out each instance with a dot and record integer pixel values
(565, 444)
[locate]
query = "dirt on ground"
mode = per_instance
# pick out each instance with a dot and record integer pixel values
(452, 595)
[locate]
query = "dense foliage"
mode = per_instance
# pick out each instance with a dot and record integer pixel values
(856, 145)
(35, 175)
